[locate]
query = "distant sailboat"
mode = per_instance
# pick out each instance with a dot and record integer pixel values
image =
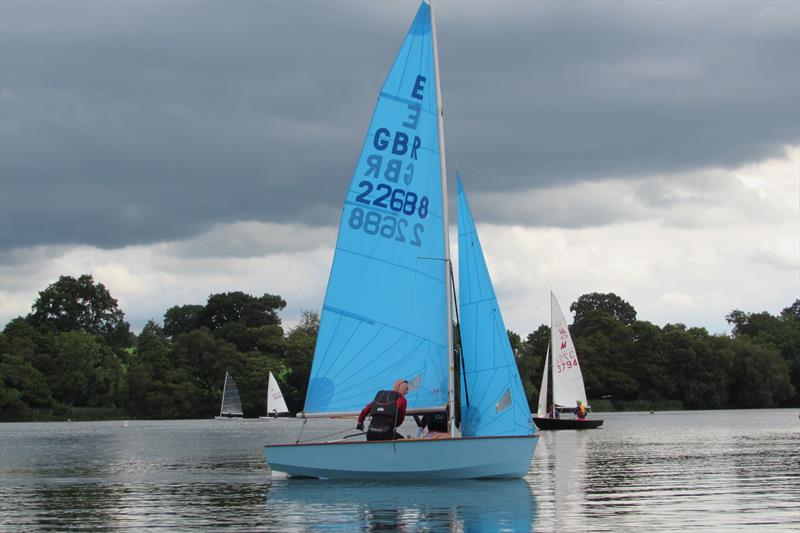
(568, 388)
(231, 406)
(387, 313)
(276, 405)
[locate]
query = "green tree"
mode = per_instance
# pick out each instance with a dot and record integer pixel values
(299, 353)
(780, 332)
(608, 303)
(80, 304)
(760, 375)
(604, 345)
(650, 363)
(157, 388)
(225, 308)
(205, 360)
(531, 363)
(700, 365)
(23, 389)
(181, 319)
(84, 372)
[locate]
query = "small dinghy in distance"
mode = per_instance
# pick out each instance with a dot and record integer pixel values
(568, 388)
(231, 406)
(276, 404)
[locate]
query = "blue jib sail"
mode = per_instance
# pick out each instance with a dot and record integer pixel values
(497, 402)
(384, 315)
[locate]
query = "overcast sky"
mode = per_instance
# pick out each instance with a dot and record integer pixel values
(178, 149)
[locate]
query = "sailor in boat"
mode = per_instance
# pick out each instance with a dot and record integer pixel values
(387, 411)
(580, 410)
(552, 412)
(432, 425)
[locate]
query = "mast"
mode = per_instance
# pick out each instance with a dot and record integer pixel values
(224, 388)
(446, 223)
(552, 349)
(269, 389)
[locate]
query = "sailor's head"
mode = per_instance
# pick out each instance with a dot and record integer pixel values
(401, 386)
(580, 402)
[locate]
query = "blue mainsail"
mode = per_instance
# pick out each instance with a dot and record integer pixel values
(497, 402)
(385, 316)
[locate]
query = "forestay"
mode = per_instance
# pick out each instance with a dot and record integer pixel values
(567, 378)
(384, 316)
(497, 402)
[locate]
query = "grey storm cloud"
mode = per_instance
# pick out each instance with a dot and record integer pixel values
(138, 122)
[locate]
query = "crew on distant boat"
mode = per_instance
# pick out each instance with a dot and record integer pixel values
(580, 410)
(553, 412)
(387, 411)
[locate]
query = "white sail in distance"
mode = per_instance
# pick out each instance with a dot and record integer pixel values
(275, 401)
(567, 378)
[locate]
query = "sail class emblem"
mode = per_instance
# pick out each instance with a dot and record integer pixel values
(504, 402)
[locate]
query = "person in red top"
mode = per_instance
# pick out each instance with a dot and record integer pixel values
(387, 412)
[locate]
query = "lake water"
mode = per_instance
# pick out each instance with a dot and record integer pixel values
(679, 471)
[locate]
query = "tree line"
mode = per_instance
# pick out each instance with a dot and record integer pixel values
(74, 356)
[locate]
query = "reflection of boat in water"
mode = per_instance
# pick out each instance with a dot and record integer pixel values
(461, 505)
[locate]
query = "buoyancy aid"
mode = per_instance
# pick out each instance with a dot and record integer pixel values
(383, 412)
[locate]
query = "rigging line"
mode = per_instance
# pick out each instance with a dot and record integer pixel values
(328, 436)
(476, 302)
(489, 381)
(406, 58)
(368, 379)
(360, 351)
(460, 341)
(317, 362)
(300, 434)
(409, 354)
(384, 261)
(369, 361)
(371, 322)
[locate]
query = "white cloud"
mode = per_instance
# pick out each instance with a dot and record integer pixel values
(147, 280)
(741, 250)
(695, 247)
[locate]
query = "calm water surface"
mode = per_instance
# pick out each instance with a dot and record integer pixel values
(702, 471)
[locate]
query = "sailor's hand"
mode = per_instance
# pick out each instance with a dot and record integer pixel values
(360, 426)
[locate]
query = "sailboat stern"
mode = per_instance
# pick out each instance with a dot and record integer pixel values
(460, 458)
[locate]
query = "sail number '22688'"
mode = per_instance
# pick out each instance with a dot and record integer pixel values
(384, 208)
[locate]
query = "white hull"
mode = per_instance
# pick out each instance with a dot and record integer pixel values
(461, 458)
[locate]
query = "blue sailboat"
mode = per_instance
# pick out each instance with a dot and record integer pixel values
(388, 307)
